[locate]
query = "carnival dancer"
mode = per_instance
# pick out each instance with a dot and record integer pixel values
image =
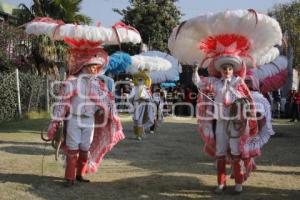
(166, 77)
(226, 43)
(227, 90)
(85, 104)
(140, 67)
(88, 105)
(144, 108)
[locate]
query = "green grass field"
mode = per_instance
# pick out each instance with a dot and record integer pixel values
(166, 165)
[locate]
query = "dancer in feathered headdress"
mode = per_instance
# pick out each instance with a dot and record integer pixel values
(226, 43)
(140, 66)
(166, 77)
(145, 109)
(85, 103)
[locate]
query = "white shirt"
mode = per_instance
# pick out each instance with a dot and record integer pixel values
(224, 88)
(81, 104)
(140, 92)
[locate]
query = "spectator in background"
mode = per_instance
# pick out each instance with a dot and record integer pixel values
(179, 108)
(276, 103)
(188, 99)
(289, 102)
(295, 102)
(191, 98)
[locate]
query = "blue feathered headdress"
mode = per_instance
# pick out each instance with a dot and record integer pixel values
(118, 63)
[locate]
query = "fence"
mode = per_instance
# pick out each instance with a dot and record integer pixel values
(31, 96)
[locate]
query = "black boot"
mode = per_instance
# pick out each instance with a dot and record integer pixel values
(81, 179)
(69, 183)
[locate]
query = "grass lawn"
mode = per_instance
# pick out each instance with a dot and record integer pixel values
(167, 165)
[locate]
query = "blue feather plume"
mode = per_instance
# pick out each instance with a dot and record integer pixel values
(118, 63)
(167, 84)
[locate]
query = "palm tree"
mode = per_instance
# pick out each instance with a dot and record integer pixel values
(66, 10)
(47, 54)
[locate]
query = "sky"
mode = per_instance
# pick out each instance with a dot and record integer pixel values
(101, 10)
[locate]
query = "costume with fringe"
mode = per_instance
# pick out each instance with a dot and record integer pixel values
(105, 137)
(242, 39)
(144, 108)
(263, 107)
(98, 102)
(263, 113)
(168, 76)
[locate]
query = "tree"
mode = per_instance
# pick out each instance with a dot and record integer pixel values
(47, 55)
(66, 10)
(154, 19)
(12, 48)
(288, 16)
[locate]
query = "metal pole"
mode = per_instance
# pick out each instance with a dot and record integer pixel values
(47, 94)
(18, 93)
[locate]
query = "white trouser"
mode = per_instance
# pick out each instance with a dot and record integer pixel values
(80, 132)
(223, 141)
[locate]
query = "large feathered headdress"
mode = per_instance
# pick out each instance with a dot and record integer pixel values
(58, 30)
(85, 41)
(240, 37)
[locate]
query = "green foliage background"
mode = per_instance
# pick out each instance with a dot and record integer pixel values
(32, 94)
(155, 19)
(288, 16)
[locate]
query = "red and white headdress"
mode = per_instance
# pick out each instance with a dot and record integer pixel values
(83, 53)
(84, 41)
(240, 37)
(58, 30)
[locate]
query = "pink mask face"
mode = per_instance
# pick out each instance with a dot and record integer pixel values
(226, 71)
(93, 69)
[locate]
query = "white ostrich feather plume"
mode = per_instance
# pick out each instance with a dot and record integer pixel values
(91, 33)
(263, 35)
(168, 75)
(272, 54)
(148, 63)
